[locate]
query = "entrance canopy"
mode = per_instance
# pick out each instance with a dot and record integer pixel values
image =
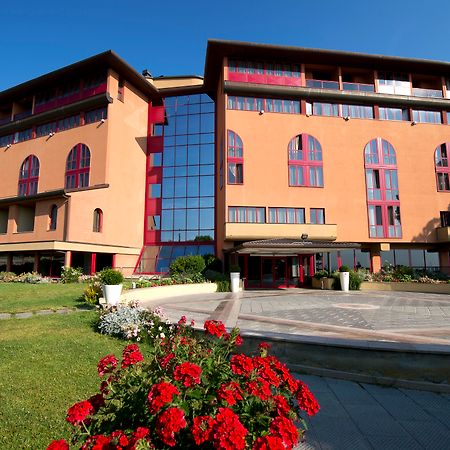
(290, 247)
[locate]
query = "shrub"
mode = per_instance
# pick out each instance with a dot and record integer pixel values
(187, 265)
(344, 269)
(212, 263)
(133, 322)
(111, 277)
(234, 268)
(193, 391)
(213, 275)
(7, 277)
(223, 286)
(71, 274)
(92, 292)
(355, 280)
(321, 274)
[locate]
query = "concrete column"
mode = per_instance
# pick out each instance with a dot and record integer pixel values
(93, 263)
(36, 262)
(444, 261)
(375, 261)
(68, 259)
(9, 261)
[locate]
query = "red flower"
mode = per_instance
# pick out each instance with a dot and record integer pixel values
(131, 355)
(228, 431)
(201, 429)
(100, 442)
(259, 388)
(160, 394)
(230, 392)
(58, 445)
(263, 367)
(79, 412)
(268, 443)
(264, 346)
(238, 341)
(140, 433)
(182, 321)
(241, 365)
(306, 399)
(188, 374)
(106, 365)
(281, 405)
(168, 423)
(215, 328)
(164, 362)
(285, 429)
(97, 401)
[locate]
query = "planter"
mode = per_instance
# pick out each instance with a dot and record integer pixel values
(427, 288)
(323, 283)
(234, 278)
(345, 280)
(111, 293)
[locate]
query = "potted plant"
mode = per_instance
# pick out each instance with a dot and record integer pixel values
(344, 273)
(112, 285)
(235, 274)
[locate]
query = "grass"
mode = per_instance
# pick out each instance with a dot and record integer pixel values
(24, 297)
(47, 364)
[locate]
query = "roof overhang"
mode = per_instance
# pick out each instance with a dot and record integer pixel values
(290, 247)
(31, 199)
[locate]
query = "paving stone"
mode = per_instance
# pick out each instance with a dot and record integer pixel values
(63, 311)
(5, 316)
(24, 315)
(404, 409)
(431, 435)
(44, 312)
(383, 442)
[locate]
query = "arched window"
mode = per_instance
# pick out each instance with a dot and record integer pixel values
(29, 176)
(305, 161)
(383, 201)
(78, 167)
(442, 168)
(235, 158)
(98, 220)
(53, 217)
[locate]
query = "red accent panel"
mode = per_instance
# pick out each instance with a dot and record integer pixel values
(264, 79)
(154, 206)
(155, 144)
(93, 263)
(156, 114)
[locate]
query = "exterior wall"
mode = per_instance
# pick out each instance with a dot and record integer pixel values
(266, 137)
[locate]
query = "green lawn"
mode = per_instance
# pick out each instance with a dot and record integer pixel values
(47, 364)
(22, 297)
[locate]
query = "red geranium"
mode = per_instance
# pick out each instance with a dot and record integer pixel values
(228, 431)
(268, 443)
(131, 355)
(164, 362)
(107, 365)
(160, 394)
(100, 442)
(241, 364)
(58, 445)
(259, 388)
(79, 412)
(215, 328)
(168, 423)
(285, 429)
(281, 405)
(201, 429)
(306, 399)
(188, 374)
(230, 392)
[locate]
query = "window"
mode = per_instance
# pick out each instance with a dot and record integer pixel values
(53, 216)
(286, 215)
(69, 122)
(305, 161)
(442, 168)
(78, 167)
(6, 140)
(317, 216)
(235, 158)
(98, 220)
(264, 104)
(29, 176)
(23, 135)
(357, 111)
(422, 116)
(393, 113)
(383, 200)
(322, 109)
(121, 90)
(445, 218)
(95, 115)
(46, 129)
(245, 214)
(394, 83)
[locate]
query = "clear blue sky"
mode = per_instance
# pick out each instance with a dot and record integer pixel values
(169, 37)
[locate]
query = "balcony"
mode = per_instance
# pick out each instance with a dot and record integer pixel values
(429, 93)
(443, 234)
(256, 231)
(321, 84)
(358, 87)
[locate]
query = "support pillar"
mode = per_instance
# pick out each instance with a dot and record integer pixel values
(68, 259)
(312, 269)
(246, 258)
(301, 277)
(375, 261)
(36, 262)
(9, 261)
(93, 263)
(444, 261)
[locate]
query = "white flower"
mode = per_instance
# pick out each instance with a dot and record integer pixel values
(162, 335)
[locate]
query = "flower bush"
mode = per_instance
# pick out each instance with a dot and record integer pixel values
(192, 391)
(133, 322)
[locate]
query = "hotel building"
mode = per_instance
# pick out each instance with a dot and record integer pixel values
(284, 160)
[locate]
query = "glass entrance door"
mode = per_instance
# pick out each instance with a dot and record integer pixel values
(274, 272)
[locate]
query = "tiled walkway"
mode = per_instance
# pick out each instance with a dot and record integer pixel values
(364, 416)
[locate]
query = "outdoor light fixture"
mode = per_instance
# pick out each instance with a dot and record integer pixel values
(413, 123)
(304, 237)
(50, 134)
(8, 146)
(102, 120)
(346, 118)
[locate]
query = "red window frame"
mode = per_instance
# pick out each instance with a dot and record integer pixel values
(380, 159)
(260, 214)
(282, 215)
(78, 166)
(97, 225)
(317, 216)
(235, 158)
(442, 168)
(29, 176)
(305, 157)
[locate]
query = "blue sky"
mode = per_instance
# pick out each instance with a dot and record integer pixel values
(170, 37)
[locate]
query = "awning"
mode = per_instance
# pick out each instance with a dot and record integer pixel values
(285, 247)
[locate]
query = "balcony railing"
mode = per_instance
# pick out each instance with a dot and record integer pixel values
(321, 84)
(22, 115)
(433, 93)
(5, 120)
(360, 87)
